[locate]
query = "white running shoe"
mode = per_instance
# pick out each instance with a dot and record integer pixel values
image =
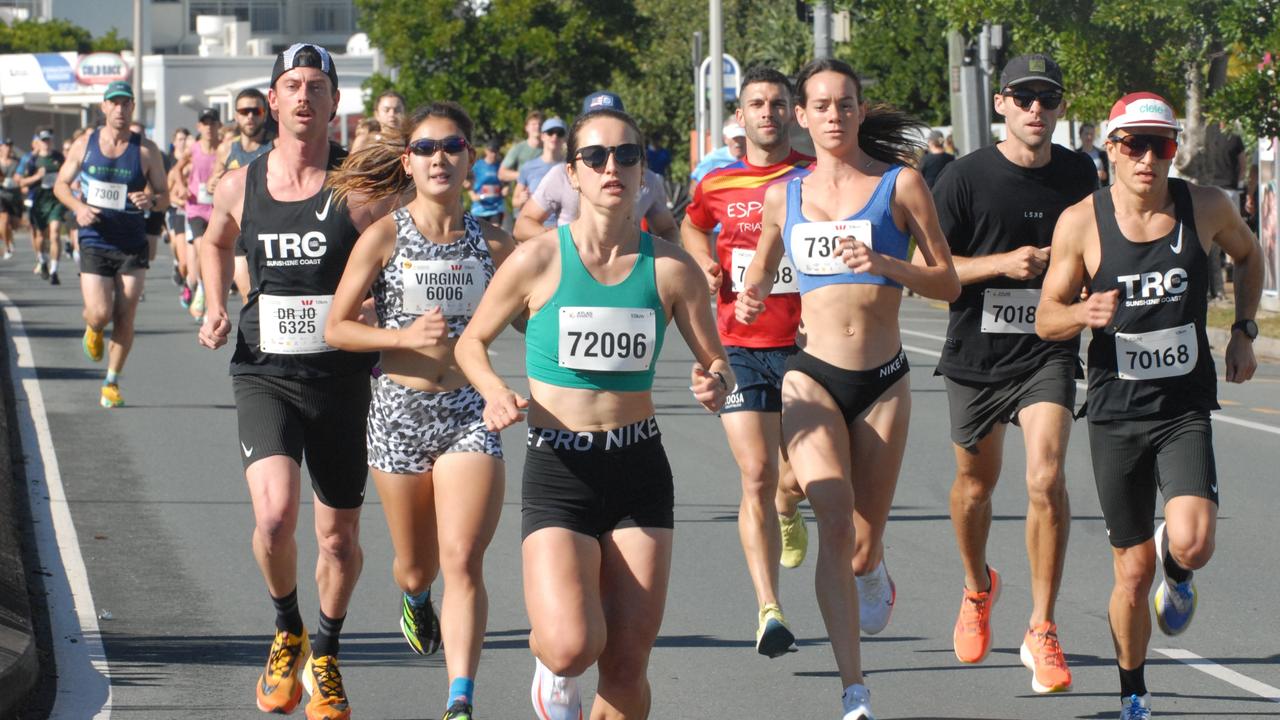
(857, 703)
(876, 595)
(1136, 708)
(554, 697)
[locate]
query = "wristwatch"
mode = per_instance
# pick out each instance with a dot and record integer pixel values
(1248, 327)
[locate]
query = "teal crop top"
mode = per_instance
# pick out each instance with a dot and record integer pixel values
(598, 337)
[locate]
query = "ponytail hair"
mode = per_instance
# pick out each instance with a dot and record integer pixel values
(375, 171)
(886, 134)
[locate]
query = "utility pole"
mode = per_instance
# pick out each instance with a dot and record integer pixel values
(717, 71)
(140, 104)
(821, 29)
(700, 119)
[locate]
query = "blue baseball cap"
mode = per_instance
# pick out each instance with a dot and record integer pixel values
(554, 123)
(602, 100)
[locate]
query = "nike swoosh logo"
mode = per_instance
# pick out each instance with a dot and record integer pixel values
(325, 212)
(1177, 245)
(248, 451)
(1214, 488)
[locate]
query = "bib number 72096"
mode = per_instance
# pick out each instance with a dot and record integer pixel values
(607, 339)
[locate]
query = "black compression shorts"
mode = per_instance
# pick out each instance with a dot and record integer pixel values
(320, 420)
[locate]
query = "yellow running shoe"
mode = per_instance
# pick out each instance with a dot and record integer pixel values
(92, 344)
(111, 397)
(324, 683)
(773, 637)
(279, 687)
(795, 539)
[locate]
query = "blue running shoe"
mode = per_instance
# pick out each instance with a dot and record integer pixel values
(1175, 603)
(1136, 708)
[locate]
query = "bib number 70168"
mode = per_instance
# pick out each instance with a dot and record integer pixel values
(1157, 354)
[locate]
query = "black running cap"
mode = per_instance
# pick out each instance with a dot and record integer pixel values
(305, 55)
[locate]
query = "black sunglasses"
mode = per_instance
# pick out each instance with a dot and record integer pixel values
(1049, 99)
(597, 156)
(452, 145)
(1136, 146)
(554, 132)
(255, 111)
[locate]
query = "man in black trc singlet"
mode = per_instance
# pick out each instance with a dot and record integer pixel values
(1142, 245)
(295, 396)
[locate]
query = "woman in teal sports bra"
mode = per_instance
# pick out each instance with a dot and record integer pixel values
(846, 397)
(597, 490)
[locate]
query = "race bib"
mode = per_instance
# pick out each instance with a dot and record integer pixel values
(815, 246)
(293, 324)
(454, 286)
(203, 196)
(784, 280)
(1009, 311)
(105, 195)
(607, 339)
(1157, 354)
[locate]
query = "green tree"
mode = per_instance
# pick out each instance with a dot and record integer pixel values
(1178, 48)
(37, 36)
(501, 59)
(111, 42)
(900, 49)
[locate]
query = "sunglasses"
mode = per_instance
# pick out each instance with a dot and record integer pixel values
(246, 111)
(555, 132)
(452, 145)
(597, 156)
(1136, 146)
(1049, 99)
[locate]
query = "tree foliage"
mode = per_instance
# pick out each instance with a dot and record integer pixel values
(37, 36)
(501, 59)
(1178, 48)
(900, 49)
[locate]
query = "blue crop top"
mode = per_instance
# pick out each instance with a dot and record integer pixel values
(887, 239)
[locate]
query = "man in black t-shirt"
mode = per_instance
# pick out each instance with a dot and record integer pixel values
(997, 207)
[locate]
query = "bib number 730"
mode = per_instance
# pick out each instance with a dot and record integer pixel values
(815, 246)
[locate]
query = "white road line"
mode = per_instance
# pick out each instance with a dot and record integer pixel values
(84, 679)
(1227, 675)
(1217, 415)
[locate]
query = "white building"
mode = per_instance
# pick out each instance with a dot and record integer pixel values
(194, 61)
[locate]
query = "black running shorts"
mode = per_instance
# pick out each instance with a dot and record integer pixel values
(110, 262)
(595, 482)
(320, 420)
(1131, 458)
(977, 407)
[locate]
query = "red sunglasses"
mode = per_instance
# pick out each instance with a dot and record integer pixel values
(1136, 146)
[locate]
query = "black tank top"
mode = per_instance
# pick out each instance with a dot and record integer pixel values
(1153, 360)
(297, 252)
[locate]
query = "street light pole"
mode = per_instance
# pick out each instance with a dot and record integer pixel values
(717, 72)
(141, 104)
(821, 29)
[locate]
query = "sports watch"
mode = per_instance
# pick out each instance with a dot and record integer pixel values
(1248, 327)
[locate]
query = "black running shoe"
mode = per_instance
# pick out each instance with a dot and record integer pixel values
(459, 710)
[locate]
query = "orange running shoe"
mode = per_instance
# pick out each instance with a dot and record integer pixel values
(280, 686)
(1042, 655)
(972, 636)
(324, 684)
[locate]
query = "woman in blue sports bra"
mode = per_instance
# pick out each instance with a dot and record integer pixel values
(597, 494)
(846, 398)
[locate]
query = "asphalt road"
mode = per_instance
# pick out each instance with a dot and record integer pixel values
(162, 521)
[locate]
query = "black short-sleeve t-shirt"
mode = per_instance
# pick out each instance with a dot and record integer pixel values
(988, 205)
